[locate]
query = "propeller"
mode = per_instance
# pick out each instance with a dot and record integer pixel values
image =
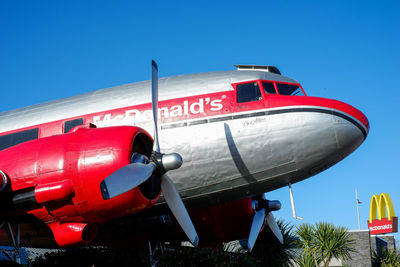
(126, 178)
(141, 169)
(263, 208)
(169, 162)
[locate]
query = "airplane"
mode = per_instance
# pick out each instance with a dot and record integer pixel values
(110, 167)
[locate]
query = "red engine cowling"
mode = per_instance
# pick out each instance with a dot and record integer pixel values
(62, 174)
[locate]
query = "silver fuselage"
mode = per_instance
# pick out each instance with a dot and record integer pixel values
(226, 156)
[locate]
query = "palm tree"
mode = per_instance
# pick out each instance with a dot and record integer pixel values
(270, 252)
(386, 258)
(324, 242)
(306, 241)
(306, 260)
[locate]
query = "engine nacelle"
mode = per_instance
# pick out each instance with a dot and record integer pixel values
(62, 175)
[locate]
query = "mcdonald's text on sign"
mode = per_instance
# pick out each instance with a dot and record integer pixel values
(382, 218)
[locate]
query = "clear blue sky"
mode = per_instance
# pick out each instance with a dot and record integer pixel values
(347, 50)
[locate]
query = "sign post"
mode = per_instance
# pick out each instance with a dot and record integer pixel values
(358, 211)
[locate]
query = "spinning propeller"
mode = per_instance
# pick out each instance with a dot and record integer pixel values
(263, 208)
(141, 169)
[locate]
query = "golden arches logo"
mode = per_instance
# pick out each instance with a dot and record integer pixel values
(381, 203)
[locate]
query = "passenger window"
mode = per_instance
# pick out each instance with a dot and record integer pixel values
(289, 89)
(68, 125)
(247, 92)
(269, 88)
(13, 139)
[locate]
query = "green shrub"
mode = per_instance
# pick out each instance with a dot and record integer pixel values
(196, 257)
(78, 257)
(386, 258)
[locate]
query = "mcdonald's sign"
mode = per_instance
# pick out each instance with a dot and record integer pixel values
(381, 215)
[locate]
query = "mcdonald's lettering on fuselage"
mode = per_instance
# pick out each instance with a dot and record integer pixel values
(382, 218)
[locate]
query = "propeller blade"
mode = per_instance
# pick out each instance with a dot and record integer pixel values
(154, 102)
(175, 203)
(125, 179)
(169, 162)
(274, 227)
(258, 221)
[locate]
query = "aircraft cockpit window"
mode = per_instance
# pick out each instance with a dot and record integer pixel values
(289, 89)
(247, 92)
(269, 88)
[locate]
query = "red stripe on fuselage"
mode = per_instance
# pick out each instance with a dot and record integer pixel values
(197, 107)
(214, 105)
(283, 101)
